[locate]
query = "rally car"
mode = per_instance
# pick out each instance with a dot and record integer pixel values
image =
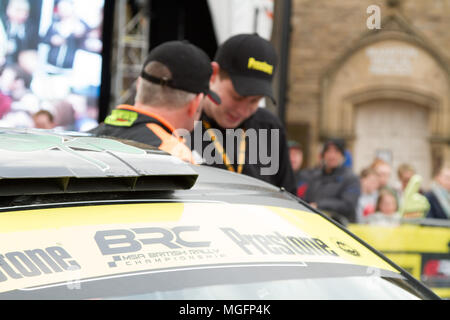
(91, 218)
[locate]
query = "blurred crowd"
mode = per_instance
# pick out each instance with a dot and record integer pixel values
(50, 63)
(368, 197)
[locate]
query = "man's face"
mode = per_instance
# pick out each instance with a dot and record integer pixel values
(234, 108)
(18, 12)
(296, 157)
(405, 176)
(444, 179)
(384, 173)
(332, 157)
(370, 183)
(42, 121)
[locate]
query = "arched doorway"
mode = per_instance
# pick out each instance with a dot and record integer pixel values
(389, 95)
(396, 130)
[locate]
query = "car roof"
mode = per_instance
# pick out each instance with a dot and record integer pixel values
(71, 166)
(46, 162)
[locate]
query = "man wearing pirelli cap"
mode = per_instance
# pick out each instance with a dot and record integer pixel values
(174, 80)
(243, 69)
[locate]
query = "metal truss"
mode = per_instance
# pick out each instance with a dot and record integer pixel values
(130, 48)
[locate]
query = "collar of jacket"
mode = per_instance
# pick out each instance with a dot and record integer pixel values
(334, 171)
(149, 116)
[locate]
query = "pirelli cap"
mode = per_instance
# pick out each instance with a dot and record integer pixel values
(250, 61)
(189, 65)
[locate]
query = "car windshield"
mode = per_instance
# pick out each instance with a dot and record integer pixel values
(244, 282)
(353, 288)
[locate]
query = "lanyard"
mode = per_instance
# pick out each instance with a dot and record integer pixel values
(220, 149)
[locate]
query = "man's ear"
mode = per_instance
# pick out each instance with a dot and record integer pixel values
(195, 105)
(138, 82)
(215, 71)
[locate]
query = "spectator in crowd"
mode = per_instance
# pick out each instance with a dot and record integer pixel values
(383, 170)
(43, 119)
(65, 36)
(243, 71)
(63, 115)
(404, 172)
(174, 80)
(3, 44)
(333, 187)
(14, 82)
(348, 162)
(15, 97)
(295, 155)
(386, 203)
(413, 204)
(369, 193)
(22, 35)
(296, 158)
(5, 104)
(386, 211)
(439, 195)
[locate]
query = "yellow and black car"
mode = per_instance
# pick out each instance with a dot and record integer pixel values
(91, 218)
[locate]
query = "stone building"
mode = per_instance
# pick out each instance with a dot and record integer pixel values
(385, 91)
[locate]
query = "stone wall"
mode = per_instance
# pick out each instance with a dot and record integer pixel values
(324, 30)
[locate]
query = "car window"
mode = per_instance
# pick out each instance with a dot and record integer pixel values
(242, 282)
(354, 288)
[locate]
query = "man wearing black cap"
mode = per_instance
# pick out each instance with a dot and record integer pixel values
(243, 70)
(333, 187)
(173, 82)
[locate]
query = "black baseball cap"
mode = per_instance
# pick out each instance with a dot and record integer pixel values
(338, 143)
(190, 67)
(250, 61)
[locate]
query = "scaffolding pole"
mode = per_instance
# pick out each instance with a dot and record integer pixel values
(130, 50)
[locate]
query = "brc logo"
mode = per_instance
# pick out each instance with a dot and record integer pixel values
(125, 240)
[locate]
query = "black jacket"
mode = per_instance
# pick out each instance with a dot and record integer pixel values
(274, 169)
(137, 124)
(63, 56)
(127, 122)
(18, 43)
(436, 211)
(336, 192)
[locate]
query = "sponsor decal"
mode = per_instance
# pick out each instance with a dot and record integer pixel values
(121, 118)
(277, 244)
(35, 262)
(126, 245)
(346, 248)
(259, 65)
